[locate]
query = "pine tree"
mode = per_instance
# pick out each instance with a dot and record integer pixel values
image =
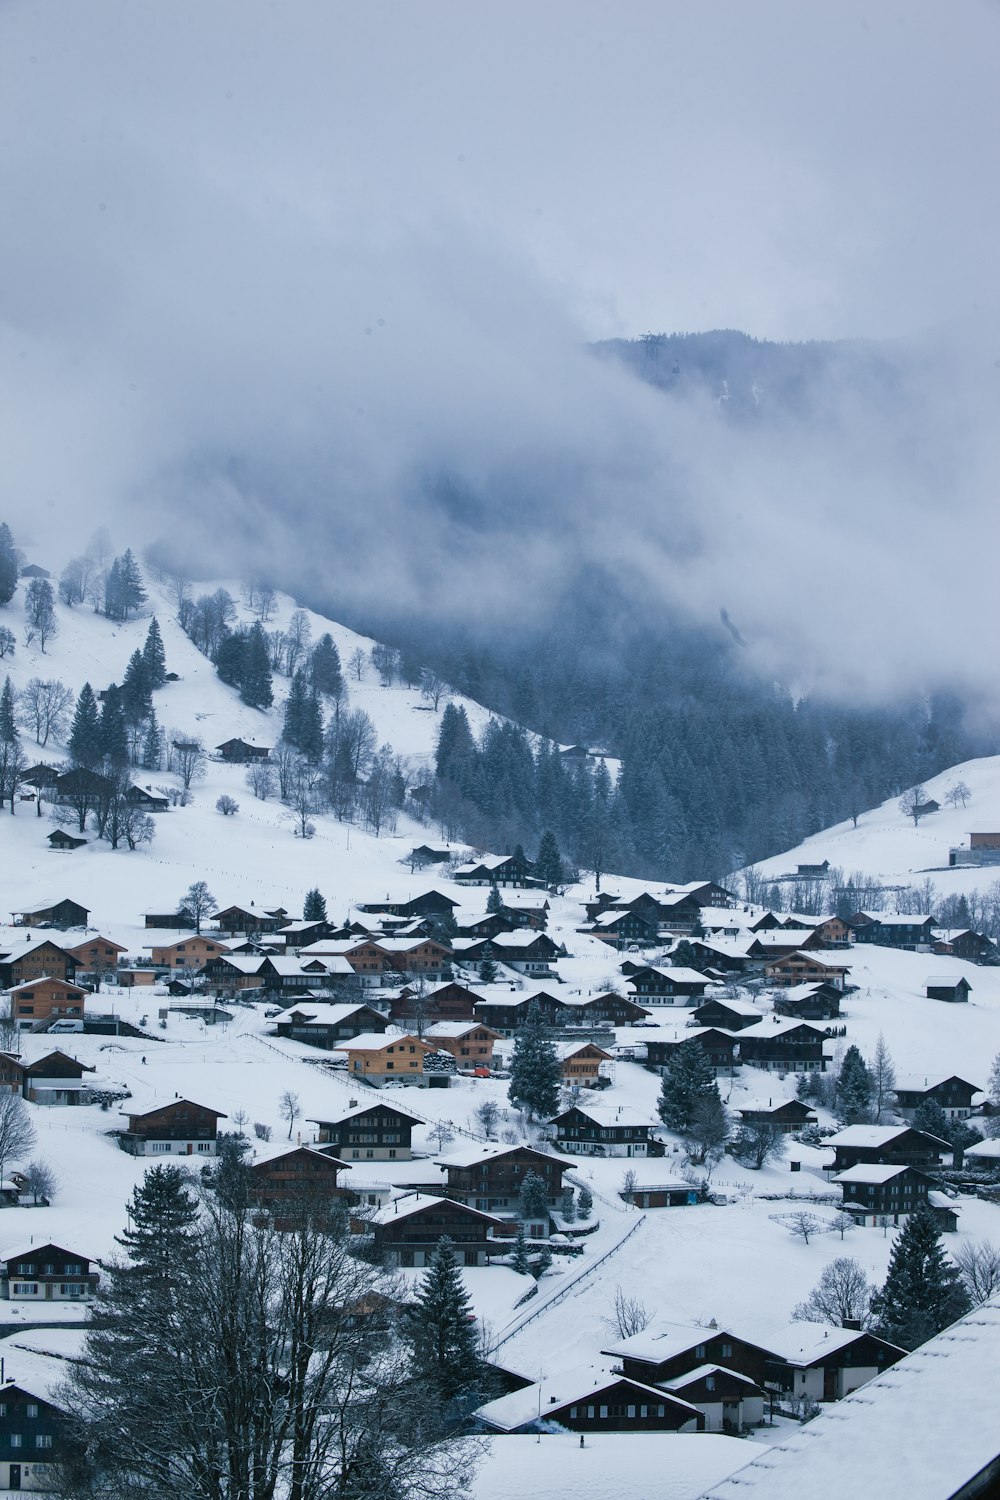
(519, 1256)
(8, 719)
(494, 901)
(549, 865)
(534, 1200)
(295, 707)
(8, 564)
(585, 1203)
(154, 657)
(230, 657)
(689, 1078)
(854, 1089)
(152, 745)
(314, 906)
(85, 735)
(255, 687)
(487, 971)
(137, 702)
(325, 671)
(440, 1330)
(535, 1074)
(923, 1290)
(112, 728)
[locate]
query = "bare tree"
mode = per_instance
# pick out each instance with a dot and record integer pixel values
(441, 1134)
(186, 757)
(199, 901)
(289, 1109)
(44, 707)
(802, 1225)
(17, 1134)
(356, 663)
(957, 793)
(9, 1030)
(432, 687)
(911, 804)
(226, 805)
(13, 765)
(40, 1181)
(74, 581)
(628, 1315)
(883, 1080)
(978, 1265)
(8, 641)
(630, 1182)
(40, 623)
(304, 798)
(297, 638)
(755, 1144)
(487, 1116)
(284, 760)
(260, 779)
(842, 1293)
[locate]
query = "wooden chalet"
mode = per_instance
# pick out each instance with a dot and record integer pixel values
(38, 959)
(46, 1000)
(613, 1405)
(874, 1192)
(378, 1059)
(608, 1009)
(496, 869)
(176, 921)
(721, 1047)
(488, 1177)
(819, 1001)
(963, 943)
(730, 1015)
(427, 904)
(47, 1273)
(767, 947)
(470, 1043)
(369, 1132)
(669, 1192)
(887, 1145)
(146, 799)
(728, 1402)
(298, 935)
(446, 1002)
(41, 776)
(665, 986)
(239, 752)
(328, 1026)
(64, 843)
(783, 1045)
(506, 1015)
(97, 954)
(34, 1412)
(787, 1115)
(61, 913)
(233, 920)
(952, 1093)
(887, 930)
(298, 1176)
(487, 925)
(179, 1128)
(818, 1362)
(55, 1079)
(431, 854)
(192, 952)
(580, 1064)
(800, 968)
(603, 1130)
(626, 929)
(407, 1230)
(955, 990)
(666, 1351)
(526, 908)
(527, 951)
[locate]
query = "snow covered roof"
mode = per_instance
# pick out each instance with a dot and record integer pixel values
(923, 1429)
(806, 1343)
(871, 1172)
(364, 1109)
(738, 1007)
(38, 1363)
(570, 1049)
(414, 1203)
(526, 1405)
(662, 1341)
(606, 1115)
(475, 1152)
(320, 1011)
(643, 1465)
(919, 1083)
(869, 1135)
(679, 1382)
(986, 1150)
(453, 1028)
(374, 1041)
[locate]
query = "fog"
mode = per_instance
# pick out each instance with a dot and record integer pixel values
(308, 289)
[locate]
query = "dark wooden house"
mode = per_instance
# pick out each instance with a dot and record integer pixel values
(788, 1115)
(889, 1145)
(722, 1047)
(61, 913)
(328, 1026)
(952, 990)
(616, 1405)
(603, 1130)
(952, 1093)
(872, 1192)
(369, 1132)
(180, 1128)
(64, 843)
(489, 1177)
(408, 1230)
(784, 1046)
(239, 752)
(46, 1273)
(300, 1176)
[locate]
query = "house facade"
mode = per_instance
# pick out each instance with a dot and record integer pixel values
(46, 1273)
(369, 1132)
(180, 1128)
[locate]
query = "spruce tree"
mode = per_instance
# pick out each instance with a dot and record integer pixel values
(255, 686)
(854, 1089)
(85, 735)
(154, 657)
(585, 1203)
(494, 901)
(535, 1074)
(8, 564)
(923, 1290)
(8, 719)
(137, 702)
(295, 707)
(230, 657)
(440, 1330)
(534, 1200)
(487, 971)
(112, 728)
(688, 1079)
(152, 745)
(549, 865)
(325, 670)
(519, 1256)
(314, 906)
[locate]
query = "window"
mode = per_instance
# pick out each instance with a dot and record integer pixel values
(43, 1440)
(31, 1410)
(604, 1411)
(710, 1382)
(15, 1440)
(71, 1289)
(699, 1352)
(25, 1288)
(727, 1351)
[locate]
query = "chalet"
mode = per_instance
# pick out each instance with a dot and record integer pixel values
(369, 1132)
(833, 932)
(241, 919)
(62, 913)
(328, 1026)
(470, 1043)
(722, 1048)
(603, 1130)
(46, 1000)
(231, 975)
(769, 947)
(97, 954)
(951, 989)
(887, 930)
(812, 872)
(671, 986)
(728, 1402)
(176, 921)
(431, 854)
(287, 977)
(64, 843)
(787, 1115)
(614, 1405)
(887, 1145)
(46, 1273)
(298, 935)
(447, 1002)
(921, 809)
(179, 1128)
(296, 1174)
(730, 1015)
(186, 953)
(378, 1059)
(717, 955)
(944, 1211)
(604, 1010)
(408, 1230)
(963, 943)
(488, 1177)
(11, 1073)
(872, 1192)
(580, 1064)
(819, 1001)
(55, 1079)
(34, 1421)
(527, 951)
(238, 752)
(506, 1015)
(526, 908)
(818, 1362)
(428, 904)
(486, 925)
(41, 776)
(783, 1045)
(371, 958)
(624, 929)
(146, 799)
(496, 869)
(952, 1093)
(805, 968)
(669, 1192)
(665, 1351)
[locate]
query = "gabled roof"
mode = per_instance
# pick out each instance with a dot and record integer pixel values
(473, 1154)
(415, 1203)
(922, 1083)
(172, 1104)
(805, 1344)
(874, 1173)
(877, 1136)
(539, 1401)
(608, 1115)
(664, 1341)
(376, 1041)
(365, 1109)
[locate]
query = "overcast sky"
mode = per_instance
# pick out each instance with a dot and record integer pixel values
(276, 261)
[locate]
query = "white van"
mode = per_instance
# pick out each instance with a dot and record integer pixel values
(66, 1026)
